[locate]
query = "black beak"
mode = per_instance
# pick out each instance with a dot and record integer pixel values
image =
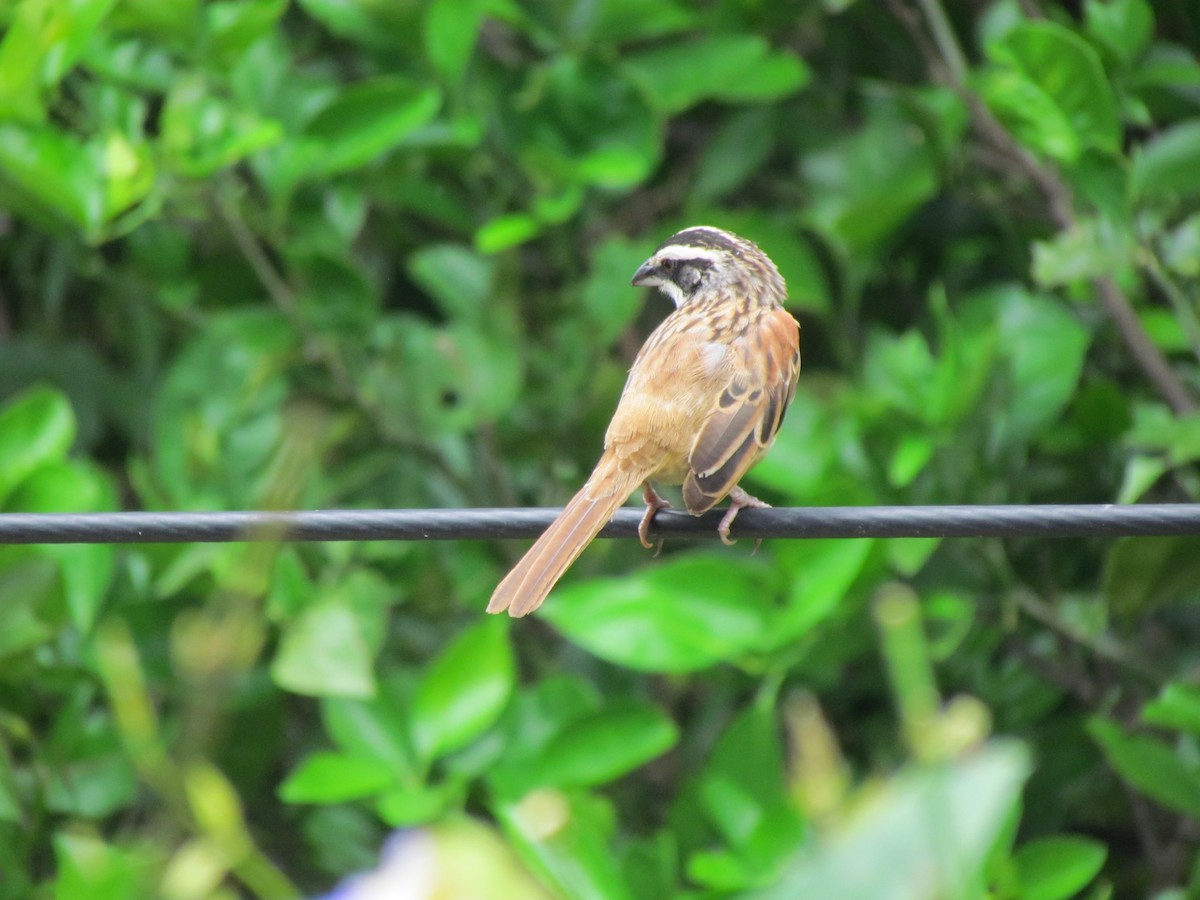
(645, 273)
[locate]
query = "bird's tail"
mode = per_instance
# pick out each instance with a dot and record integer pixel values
(526, 586)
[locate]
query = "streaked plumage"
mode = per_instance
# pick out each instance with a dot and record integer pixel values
(704, 400)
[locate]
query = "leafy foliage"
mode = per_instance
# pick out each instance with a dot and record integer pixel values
(339, 254)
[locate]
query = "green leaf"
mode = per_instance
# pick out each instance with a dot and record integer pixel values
(1142, 471)
(403, 807)
(744, 776)
(464, 690)
(91, 776)
(88, 867)
(28, 583)
(42, 43)
(1181, 248)
(738, 149)
(1090, 248)
(1169, 164)
(626, 21)
(822, 572)
(605, 745)
(329, 649)
(233, 25)
(549, 706)
(682, 615)
(86, 569)
(608, 301)
(723, 66)
(376, 729)
(47, 173)
(1049, 86)
(1124, 27)
(358, 125)
(1176, 706)
(565, 837)
(218, 414)
(335, 778)
(366, 23)
(1045, 346)
(36, 427)
(590, 126)
(202, 132)
(459, 279)
(911, 455)
(866, 184)
(450, 30)
(925, 834)
(1059, 867)
(1144, 573)
(457, 377)
(1149, 765)
(505, 232)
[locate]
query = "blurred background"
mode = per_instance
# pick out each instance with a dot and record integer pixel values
(357, 253)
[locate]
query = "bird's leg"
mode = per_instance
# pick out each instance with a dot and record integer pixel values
(653, 504)
(738, 500)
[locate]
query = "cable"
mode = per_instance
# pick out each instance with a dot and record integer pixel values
(1044, 521)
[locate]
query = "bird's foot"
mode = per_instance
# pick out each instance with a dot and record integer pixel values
(739, 500)
(653, 504)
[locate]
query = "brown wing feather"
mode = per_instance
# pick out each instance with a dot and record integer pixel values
(747, 416)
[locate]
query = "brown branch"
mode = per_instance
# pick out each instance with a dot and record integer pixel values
(1060, 202)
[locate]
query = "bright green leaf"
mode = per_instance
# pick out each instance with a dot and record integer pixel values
(605, 745)
(505, 232)
(89, 867)
(335, 778)
(1057, 868)
(1143, 573)
(1050, 87)
(465, 689)
(1124, 27)
(1091, 248)
(608, 301)
(1176, 706)
(403, 807)
(1149, 765)
(734, 66)
(565, 836)
(86, 569)
(323, 653)
(450, 30)
(361, 123)
(925, 834)
(36, 427)
(233, 25)
(375, 729)
(459, 279)
(684, 614)
(1169, 164)
(822, 572)
(47, 172)
(865, 184)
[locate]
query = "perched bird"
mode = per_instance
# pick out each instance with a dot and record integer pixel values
(704, 400)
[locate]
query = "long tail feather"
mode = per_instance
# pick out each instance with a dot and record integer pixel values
(526, 586)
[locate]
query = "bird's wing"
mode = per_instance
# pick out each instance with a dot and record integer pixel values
(748, 412)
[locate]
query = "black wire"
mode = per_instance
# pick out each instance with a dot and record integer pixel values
(457, 524)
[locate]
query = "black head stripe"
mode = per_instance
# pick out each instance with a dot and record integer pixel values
(701, 237)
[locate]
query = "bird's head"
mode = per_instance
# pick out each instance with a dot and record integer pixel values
(703, 262)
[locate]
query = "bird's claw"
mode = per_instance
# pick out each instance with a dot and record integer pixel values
(653, 504)
(738, 500)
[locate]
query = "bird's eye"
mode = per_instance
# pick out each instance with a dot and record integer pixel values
(668, 265)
